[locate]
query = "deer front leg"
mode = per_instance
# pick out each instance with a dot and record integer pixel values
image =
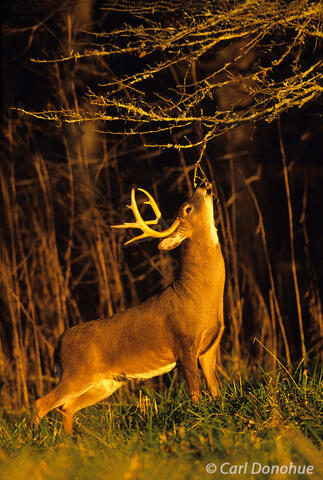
(208, 362)
(191, 373)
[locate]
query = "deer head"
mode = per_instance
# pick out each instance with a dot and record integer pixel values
(193, 218)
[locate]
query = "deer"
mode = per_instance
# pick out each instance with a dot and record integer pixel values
(182, 325)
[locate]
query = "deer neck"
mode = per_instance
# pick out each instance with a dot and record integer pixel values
(200, 259)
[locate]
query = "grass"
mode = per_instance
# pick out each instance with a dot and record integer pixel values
(271, 420)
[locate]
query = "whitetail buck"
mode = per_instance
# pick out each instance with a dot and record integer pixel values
(182, 324)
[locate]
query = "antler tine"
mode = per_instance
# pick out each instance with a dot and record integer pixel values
(142, 224)
(154, 206)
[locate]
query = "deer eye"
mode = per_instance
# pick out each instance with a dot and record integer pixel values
(188, 209)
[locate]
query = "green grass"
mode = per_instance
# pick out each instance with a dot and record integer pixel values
(272, 420)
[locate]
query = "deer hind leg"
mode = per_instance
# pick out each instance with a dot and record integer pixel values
(63, 392)
(102, 390)
(208, 362)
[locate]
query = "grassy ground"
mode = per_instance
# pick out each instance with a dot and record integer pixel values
(272, 420)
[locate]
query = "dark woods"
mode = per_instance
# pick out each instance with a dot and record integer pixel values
(108, 95)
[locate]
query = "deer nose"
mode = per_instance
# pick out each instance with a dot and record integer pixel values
(204, 191)
(209, 189)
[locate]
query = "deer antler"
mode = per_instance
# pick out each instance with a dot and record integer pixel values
(143, 224)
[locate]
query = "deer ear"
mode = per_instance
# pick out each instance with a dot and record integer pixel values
(172, 241)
